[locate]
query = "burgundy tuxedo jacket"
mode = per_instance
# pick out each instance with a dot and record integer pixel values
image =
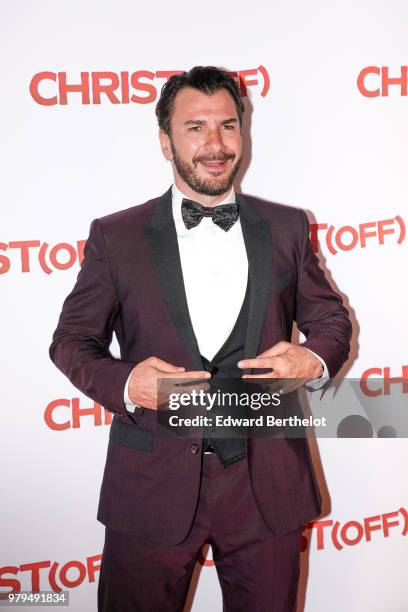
(131, 283)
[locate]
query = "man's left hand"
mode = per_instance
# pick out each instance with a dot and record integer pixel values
(285, 360)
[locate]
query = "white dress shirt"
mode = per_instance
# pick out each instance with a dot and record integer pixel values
(215, 274)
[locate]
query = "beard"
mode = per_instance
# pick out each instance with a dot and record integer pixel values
(212, 186)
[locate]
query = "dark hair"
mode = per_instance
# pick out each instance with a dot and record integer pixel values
(207, 79)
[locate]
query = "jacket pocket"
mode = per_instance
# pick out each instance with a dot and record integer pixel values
(131, 436)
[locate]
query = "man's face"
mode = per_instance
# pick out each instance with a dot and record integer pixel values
(205, 142)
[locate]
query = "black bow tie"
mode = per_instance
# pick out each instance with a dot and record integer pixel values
(224, 216)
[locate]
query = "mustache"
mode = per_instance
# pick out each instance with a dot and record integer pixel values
(210, 158)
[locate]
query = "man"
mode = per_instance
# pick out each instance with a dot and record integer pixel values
(201, 282)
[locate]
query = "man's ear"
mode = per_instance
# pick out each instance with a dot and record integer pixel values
(165, 145)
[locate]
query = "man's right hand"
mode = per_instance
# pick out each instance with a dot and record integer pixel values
(142, 387)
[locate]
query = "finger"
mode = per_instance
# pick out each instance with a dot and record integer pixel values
(170, 385)
(193, 375)
(198, 382)
(165, 366)
(264, 375)
(272, 374)
(257, 362)
(276, 349)
(189, 387)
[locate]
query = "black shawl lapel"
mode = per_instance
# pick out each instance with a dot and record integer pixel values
(258, 245)
(161, 239)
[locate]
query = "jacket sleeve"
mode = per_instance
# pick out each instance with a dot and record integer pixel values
(320, 314)
(80, 344)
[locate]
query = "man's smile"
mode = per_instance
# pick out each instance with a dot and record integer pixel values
(216, 166)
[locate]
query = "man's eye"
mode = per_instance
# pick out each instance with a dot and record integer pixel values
(195, 128)
(228, 126)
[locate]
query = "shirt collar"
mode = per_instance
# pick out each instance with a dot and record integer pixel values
(177, 198)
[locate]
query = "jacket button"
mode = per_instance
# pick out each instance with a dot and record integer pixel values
(194, 448)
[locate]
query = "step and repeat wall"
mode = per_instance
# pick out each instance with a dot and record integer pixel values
(325, 89)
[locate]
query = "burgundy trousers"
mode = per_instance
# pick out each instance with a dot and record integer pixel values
(258, 571)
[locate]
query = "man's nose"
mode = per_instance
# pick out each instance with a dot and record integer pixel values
(215, 140)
